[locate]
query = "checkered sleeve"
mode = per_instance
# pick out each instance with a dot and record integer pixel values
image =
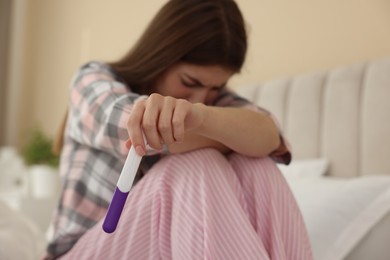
(228, 98)
(100, 106)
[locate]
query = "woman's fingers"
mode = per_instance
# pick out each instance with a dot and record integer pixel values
(161, 119)
(128, 144)
(134, 127)
(179, 114)
(150, 119)
(165, 120)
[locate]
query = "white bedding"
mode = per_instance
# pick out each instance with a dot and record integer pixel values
(340, 212)
(20, 238)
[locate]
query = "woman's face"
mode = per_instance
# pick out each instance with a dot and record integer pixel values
(195, 83)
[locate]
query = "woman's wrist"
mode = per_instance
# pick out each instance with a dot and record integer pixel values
(203, 112)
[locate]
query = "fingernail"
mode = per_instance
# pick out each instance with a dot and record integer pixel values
(140, 150)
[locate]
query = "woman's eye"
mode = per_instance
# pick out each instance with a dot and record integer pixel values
(189, 85)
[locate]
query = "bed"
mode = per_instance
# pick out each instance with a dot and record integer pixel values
(20, 237)
(22, 227)
(338, 124)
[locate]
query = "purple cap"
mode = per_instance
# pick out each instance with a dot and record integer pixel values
(114, 210)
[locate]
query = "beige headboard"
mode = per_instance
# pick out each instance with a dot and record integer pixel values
(342, 115)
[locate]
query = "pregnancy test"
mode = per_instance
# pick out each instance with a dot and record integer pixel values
(122, 190)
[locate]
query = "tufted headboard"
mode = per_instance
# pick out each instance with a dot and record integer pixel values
(341, 114)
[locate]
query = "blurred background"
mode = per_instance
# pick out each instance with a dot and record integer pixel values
(43, 42)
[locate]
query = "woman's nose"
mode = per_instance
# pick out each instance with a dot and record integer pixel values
(199, 96)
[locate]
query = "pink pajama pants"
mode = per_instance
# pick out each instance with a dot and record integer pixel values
(203, 205)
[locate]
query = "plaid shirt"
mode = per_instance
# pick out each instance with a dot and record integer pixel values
(94, 150)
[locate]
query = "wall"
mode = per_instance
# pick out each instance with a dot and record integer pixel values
(5, 7)
(286, 38)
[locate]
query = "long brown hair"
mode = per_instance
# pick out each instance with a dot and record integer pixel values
(200, 32)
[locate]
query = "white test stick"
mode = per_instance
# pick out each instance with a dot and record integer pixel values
(124, 184)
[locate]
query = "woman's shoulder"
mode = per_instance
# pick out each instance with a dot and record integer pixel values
(94, 66)
(94, 70)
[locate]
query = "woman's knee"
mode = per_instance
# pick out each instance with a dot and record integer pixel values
(201, 155)
(197, 164)
(236, 159)
(197, 159)
(246, 166)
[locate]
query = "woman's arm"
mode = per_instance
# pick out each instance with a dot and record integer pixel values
(242, 130)
(194, 141)
(99, 108)
(184, 126)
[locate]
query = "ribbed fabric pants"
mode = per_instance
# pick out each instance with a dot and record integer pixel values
(204, 205)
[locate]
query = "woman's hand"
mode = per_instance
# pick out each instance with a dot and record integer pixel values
(163, 120)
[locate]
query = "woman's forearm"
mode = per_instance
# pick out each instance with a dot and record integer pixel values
(225, 129)
(194, 141)
(244, 131)
(184, 126)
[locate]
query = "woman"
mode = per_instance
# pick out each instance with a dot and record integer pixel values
(210, 188)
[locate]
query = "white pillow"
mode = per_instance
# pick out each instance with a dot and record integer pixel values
(339, 212)
(307, 168)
